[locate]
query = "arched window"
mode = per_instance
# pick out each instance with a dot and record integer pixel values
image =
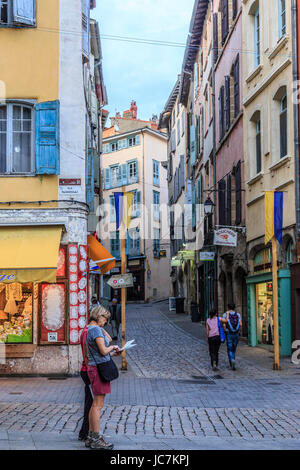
(283, 127)
(255, 144)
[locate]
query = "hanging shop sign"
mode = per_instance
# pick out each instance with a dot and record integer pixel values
(121, 281)
(175, 263)
(207, 256)
(186, 255)
(225, 237)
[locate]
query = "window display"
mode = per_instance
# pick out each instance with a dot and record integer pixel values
(265, 315)
(16, 312)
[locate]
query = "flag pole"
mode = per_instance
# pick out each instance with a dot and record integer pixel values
(123, 291)
(276, 365)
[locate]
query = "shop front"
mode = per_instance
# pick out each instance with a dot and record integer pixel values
(260, 305)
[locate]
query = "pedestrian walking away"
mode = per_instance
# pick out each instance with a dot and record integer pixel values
(213, 338)
(115, 318)
(99, 351)
(88, 399)
(94, 302)
(233, 323)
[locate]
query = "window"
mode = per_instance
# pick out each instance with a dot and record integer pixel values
(283, 127)
(236, 76)
(258, 146)
(156, 205)
(155, 172)
(17, 12)
(16, 139)
(225, 20)
(221, 113)
(257, 38)
(114, 176)
(115, 244)
(183, 124)
(234, 9)
(86, 27)
(16, 320)
(282, 18)
(238, 194)
(114, 146)
(178, 132)
(222, 202)
(112, 209)
(132, 172)
(132, 141)
(156, 242)
(289, 254)
(133, 242)
(227, 103)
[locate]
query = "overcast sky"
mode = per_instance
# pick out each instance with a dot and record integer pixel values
(142, 72)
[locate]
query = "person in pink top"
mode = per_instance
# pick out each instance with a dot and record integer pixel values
(213, 338)
(88, 399)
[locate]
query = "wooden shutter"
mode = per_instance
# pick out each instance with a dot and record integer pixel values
(24, 12)
(221, 113)
(47, 138)
(124, 174)
(182, 172)
(227, 102)
(228, 205)
(215, 37)
(193, 144)
(90, 183)
(234, 9)
(173, 141)
(238, 194)
(222, 202)
(107, 178)
(283, 134)
(86, 27)
(258, 146)
(193, 207)
(225, 20)
(237, 86)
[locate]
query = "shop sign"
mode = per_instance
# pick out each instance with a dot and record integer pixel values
(7, 277)
(225, 237)
(121, 281)
(175, 263)
(207, 256)
(186, 255)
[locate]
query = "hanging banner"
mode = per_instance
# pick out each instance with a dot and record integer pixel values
(225, 237)
(73, 293)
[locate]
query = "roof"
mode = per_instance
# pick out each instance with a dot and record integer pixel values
(165, 115)
(136, 131)
(192, 46)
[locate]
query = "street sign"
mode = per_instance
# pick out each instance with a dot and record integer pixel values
(225, 237)
(121, 281)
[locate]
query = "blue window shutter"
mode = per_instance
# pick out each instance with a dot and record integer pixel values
(124, 174)
(47, 159)
(137, 171)
(112, 209)
(120, 178)
(24, 12)
(107, 178)
(90, 180)
(193, 145)
(103, 179)
(138, 204)
(86, 27)
(138, 140)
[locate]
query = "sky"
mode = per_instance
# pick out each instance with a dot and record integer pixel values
(145, 73)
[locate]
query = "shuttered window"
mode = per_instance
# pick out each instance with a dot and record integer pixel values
(225, 20)
(86, 27)
(234, 9)
(221, 113)
(17, 12)
(47, 148)
(155, 165)
(238, 194)
(237, 86)
(283, 127)
(156, 205)
(227, 103)
(257, 38)
(222, 202)
(258, 146)
(90, 180)
(228, 203)
(215, 37)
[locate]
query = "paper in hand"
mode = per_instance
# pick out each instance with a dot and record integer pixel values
(128, 345)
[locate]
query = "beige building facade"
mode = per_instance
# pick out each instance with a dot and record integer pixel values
(132, 162)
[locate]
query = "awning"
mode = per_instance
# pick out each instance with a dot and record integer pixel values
(100, 255)
(29, 254)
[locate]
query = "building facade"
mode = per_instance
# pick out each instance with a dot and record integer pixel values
(49, 139)
(134, 151)
(269, 155)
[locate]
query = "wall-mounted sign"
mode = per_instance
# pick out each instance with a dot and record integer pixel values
(225, 237)
(121, 281)
(207, 256)
(70, 186)
(175, 263)
(186, 255)
(52, 337)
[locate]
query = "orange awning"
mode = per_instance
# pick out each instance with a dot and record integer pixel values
(100, 255)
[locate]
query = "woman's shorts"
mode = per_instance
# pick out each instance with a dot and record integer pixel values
(98, 387)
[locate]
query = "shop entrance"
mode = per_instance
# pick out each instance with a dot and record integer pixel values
(264, 313)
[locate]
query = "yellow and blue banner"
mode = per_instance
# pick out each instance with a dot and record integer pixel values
(123, 206)
(273, 215)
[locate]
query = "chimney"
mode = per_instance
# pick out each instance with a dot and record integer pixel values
(133, 109)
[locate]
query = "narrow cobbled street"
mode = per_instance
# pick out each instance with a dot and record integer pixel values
(168, 399)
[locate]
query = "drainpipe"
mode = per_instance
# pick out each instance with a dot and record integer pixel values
(296, 120)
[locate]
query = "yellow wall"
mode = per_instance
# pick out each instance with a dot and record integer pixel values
(29, 57)
(29, 69)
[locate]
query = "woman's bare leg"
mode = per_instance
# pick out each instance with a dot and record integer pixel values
(95, 411)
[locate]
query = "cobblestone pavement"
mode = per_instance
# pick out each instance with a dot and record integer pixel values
(168, 399)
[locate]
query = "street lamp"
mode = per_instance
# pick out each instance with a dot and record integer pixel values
(208, 206)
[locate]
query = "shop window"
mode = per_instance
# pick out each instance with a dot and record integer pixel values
(53, 313)
(16, 312)
(265, 313)
(263, 261)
